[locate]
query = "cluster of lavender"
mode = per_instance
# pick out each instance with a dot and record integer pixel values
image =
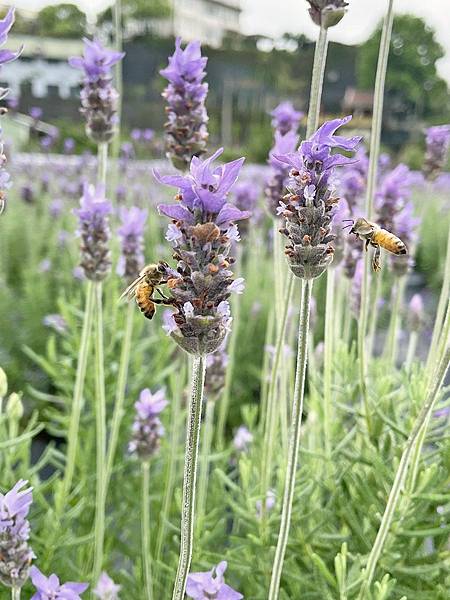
(437, 146)
(15, 552)
(395, 212)
(186, 132)
(211, 585)
(131, 234)
(94, 233)
(327, 13)
(285, 122)
(147, 428)
(310, 205)
(201, 232)
(98, 96)
(6, 56)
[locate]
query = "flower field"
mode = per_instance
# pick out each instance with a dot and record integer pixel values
(224, 380)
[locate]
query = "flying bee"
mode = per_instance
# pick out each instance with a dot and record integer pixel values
(377, 237)
(144, 286)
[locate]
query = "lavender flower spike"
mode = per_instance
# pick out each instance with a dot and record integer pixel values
(309, 206)
(210, 585)
(186, 132)
(327, 13)
(147, 428)
(276, 183)
(106, 589)
(286, 118)
(201, 231)
(94, 232)
(98, 96)
(49, 588)
(131, 234)
(6, 56)
(15, 553)
(438, 143)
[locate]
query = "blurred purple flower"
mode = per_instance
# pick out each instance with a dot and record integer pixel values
(6, 23)
(269, 504)
(276, 183)
(131, 234)
(216, 366)
(186, 132)
(35, 113)
(438, 144)
(56, 322)
(211, 585)
(45, 265)
(106, 589)
(94, 232)
(69, 145)
(136, 135)
(286, 118)
(147, 428)
(416, 313)
(242, 439)
(15, 553)
(56, 207)
(49, 588)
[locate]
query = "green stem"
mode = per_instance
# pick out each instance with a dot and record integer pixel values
(375, 137)
(392, 337)
(315, 95)
(272, 400)
(102, 162)
(375, 311)
(400, 475)
(208, 429)
(294, 440)
(145, 530)
(412, 346)
(15, 593)
(100, 418)
(119, 412)
(440, 312)
(77, 401)
(328, 360)
(190, 477)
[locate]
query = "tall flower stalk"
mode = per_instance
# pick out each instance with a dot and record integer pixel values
(201, 232)
(308, 210)
(375, 137)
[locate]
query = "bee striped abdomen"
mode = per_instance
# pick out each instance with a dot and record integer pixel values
(144, 292)
(389, 242)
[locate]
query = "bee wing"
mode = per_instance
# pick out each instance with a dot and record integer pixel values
(129, 292)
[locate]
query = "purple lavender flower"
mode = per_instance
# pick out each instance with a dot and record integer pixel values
(416, 313)
(405, 226)
(438, 143)
(200, 232)
(136, 135)
(276, 183)
(210, 585)
(56, 322)
(147, 428)
(49, 588)
(310, 204)
(327, 13)
(94, 232)
(35, 113)
(216, 368)
(15, 553)
(242, 439)
(7, 56)
(286, 118)
(106, 589)
(69, 145)
(98, 96)
(186, 132)
(269, 504)
(245, 196)
(131, 234)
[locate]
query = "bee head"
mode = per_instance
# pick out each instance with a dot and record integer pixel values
(351, 223)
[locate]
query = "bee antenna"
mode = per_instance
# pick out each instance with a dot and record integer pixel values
(347, 226)
(347, 220)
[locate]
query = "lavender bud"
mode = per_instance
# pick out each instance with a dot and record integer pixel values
(15, 553)
(276, 183)
(200, 233)
(242, 439)
(147, 428)
(131, 234)
(14, 407)
(327, 13)
(309, 206)
(211, 584)
(186, 132)
(438, 143)
(106, 589)
(416, 313)
(98, 96)
(94, 233)
(286, 118)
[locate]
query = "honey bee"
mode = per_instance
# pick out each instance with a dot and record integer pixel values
(377, 237)
(144, 286)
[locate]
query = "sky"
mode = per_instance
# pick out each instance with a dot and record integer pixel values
(275, 17)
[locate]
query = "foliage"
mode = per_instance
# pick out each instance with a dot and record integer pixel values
(61, 21)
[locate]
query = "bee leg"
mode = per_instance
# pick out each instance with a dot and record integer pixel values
(376, 263)
(367, 245)
(161, 294)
